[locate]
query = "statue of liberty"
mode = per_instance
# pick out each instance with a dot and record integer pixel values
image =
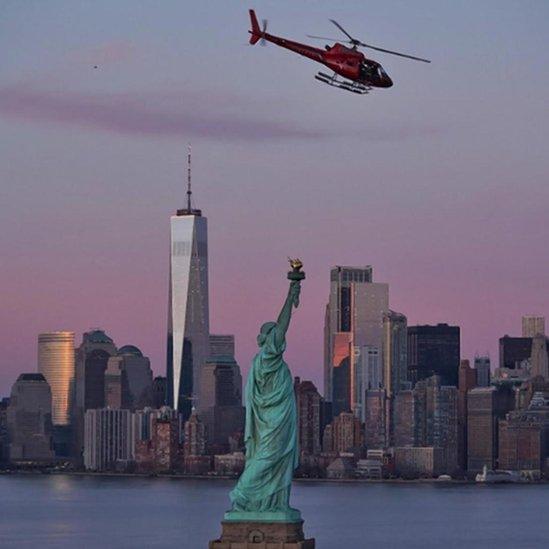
(263, 490)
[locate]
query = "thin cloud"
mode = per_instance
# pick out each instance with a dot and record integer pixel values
(395, 132)
(113, 52)
(155, 115)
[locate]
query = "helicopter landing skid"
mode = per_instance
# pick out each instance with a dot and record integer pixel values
(348, 85)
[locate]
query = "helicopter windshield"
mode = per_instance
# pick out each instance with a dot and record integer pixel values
(366, 70)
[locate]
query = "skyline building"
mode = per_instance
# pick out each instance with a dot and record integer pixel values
(482, 368)
(404, 419)
(524, 436)
(4, 440)
(221, 380)
(159, 391)
(222, 411)
(533, 325)
(514, 352)
(188, 308)
(28, 419)
(419, 462)
(228, 383)
(395, 352)
(368, 375)
(109, 439)
(341, 362)
(117, 394)
(539, 359)
(56, 364)
(308, 403)
(344, 434)
(354, 319)
(195, 460)
(395, 364)
(92, 357)
(427, 416)
(468, 379)
(375, 420)
(221, 345)
(138, 374)
(143, 420)
(160, 450)
(434, 350)
(486, 406)
(194, 436)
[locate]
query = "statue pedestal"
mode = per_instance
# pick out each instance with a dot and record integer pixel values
(262, 535)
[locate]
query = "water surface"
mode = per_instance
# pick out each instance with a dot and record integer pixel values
(82, 512)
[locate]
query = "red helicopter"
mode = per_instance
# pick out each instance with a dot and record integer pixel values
(359, 73)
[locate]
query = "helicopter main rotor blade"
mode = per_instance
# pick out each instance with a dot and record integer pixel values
(343, 30)
(356, 42)
(394, 53)
(326, 38)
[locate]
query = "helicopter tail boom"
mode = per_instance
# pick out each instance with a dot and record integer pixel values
(256, 30)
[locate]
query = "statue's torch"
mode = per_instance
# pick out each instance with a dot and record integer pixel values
(296, 275)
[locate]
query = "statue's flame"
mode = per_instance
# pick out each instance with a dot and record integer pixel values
(296, 263)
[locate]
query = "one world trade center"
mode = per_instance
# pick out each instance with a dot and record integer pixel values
(188, 310)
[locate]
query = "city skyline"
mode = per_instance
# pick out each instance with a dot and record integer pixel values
(453, 225)
(317, 376)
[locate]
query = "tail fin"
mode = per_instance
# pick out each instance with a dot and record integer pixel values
(256, 31)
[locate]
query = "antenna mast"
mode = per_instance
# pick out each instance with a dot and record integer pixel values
(189, 191)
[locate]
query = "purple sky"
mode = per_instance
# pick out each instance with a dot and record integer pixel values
(440, 182)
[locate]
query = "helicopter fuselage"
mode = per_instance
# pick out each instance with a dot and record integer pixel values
(347, 62)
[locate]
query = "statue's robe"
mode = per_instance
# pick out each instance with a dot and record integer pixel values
(271, 432)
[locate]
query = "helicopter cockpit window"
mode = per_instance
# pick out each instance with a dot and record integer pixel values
(365, 70)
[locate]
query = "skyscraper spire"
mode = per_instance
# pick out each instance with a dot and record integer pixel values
(188, 210)
(189, 191)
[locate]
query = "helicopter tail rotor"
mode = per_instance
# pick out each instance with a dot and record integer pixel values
(264, 22)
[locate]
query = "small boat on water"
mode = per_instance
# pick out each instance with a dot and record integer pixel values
(444, 478)
(495, 477)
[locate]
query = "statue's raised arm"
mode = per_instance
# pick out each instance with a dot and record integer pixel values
(283, 320)
(295, 276)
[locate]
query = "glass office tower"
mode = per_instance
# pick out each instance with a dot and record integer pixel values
(188, 314)
(354, 319)
(56, 364)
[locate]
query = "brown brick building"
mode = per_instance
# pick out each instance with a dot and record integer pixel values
(419, 462)
(376, 408)
(309, 404)
(404, 422)
(427, 416)
(521, 444)
(524, 437)
(486, 406)
(467, 381)
(195, 436)
(344, 434)
(195, 462)
(162, 452)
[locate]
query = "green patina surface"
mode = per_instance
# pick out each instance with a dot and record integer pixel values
(263, 490)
